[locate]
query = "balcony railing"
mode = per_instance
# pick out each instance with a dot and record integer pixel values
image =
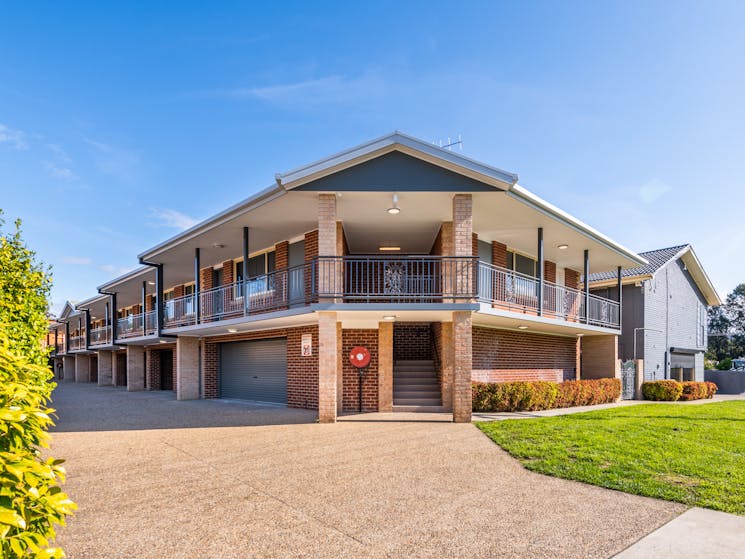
(355, 279)
(100, 336)
(132, 326)
(511, 290)
(77, 342)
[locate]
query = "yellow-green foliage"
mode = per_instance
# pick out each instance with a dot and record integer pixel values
(31, 501)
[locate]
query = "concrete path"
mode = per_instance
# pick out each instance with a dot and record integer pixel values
(156, 478)
(695, 534)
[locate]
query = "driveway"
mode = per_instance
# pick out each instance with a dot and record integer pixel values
(208, 479)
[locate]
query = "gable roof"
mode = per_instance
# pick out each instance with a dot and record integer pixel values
(658, 259)
(68, 310)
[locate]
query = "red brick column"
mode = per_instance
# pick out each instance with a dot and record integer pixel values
(549, 271)
(447, 346)
(328, 366)
(463, 240)
(462, 336)
(282, 255)
(330, 279)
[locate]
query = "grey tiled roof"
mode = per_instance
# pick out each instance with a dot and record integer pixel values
(657, 259)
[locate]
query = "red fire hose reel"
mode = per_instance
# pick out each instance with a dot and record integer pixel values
(359, 357)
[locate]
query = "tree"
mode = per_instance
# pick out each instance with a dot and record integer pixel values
(31, 501)
(727, 326)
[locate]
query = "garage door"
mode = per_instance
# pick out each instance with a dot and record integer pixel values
(254, 370)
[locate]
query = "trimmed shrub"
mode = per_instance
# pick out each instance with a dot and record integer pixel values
(662, 390)
(542, 395)
(711, 389)
(694, 391)
(588, 392)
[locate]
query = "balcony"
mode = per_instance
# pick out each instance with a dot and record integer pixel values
(77, 343)
(101, 336)
(513, 291)
(135, 325)
(395, 280)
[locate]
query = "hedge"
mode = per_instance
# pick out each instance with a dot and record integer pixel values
(672, 391)
(543, 395)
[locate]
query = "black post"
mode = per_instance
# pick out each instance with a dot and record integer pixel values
(244, 287)
(587, 286)
(67, 336)
(540, 271)
(197, 306)
(56, 340)
(142, 314)
(114, 320)
(106, 322)
(87, 328)
(159, 298)
(361, 372)
(620, 298)
(80, 327)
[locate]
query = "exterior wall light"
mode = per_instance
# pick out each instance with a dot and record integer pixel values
(394, 210)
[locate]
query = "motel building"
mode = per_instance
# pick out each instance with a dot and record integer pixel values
(440, 269)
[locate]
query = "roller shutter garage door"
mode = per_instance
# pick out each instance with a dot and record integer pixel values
(254, 370)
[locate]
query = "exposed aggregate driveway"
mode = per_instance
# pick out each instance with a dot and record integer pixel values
(154, 477)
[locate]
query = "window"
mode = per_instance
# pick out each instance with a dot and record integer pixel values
(520, 263)
(189, 299)
(255, 272)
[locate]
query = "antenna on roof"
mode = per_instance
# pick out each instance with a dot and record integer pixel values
(449, 144)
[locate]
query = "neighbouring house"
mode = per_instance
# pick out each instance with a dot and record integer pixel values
(445, 269)
(664, 306)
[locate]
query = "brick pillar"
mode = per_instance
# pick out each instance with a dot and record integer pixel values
(282, 255)
(578, 358)
(385, 366)
(135, 368)
(115, 372)
(187, 368)
(328, 366)
(82, 368)
(447, 249)
(462, 398)
(68, 368)
(339, 370)
(446, 365)
(105, 376)
(639, 379)
(463, 241)
(549, 271)
(571, 278)
(600, 357)
(330, 278)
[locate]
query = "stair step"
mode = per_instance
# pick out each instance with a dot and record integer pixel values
(412, 374)
(413, 367)
(416, 382)
(406, 394)
(416, 401)
(414, 362)
(420, 409)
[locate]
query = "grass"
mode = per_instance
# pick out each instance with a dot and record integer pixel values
(692, 454)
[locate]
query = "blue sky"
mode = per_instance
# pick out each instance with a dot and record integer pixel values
(121, 125)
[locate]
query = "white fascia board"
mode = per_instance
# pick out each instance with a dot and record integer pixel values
(266, 195)
(314, 170)
(91, 301)
(700, 276)
(524, 195)
(125, 277)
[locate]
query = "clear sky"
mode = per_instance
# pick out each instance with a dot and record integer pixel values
(120, 125)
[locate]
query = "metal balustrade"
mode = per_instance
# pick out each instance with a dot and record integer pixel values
(358, 279)
(100, 336)
(510, 290)
(77, 342)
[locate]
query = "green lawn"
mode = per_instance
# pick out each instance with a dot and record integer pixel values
(693, 454)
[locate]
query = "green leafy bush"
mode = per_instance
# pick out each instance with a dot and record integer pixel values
(31, 501)
(542, 395)
(725, 364)
(662, 390)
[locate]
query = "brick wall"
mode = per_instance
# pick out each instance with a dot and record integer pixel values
(205, 279)
(504, 355)
(599, 357)
(571, 278)
(282, 255)
(350, 398)
(311, 251)
(412, 341)
(227, 272)
(437, 245)
(499, 254)
(302, 372)
(475, 244)
(549, 271)
(152, 366)
(178, 291)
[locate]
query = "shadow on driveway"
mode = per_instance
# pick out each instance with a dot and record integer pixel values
(87, 407)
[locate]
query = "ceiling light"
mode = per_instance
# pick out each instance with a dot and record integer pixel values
(389, 248)
(389, 317)
(522, 327)
(232, 330)
(162, 342)
(151, 283)
(563, 247)
(218, 245)
(394, 210)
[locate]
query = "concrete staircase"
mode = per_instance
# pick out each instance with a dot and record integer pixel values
(415, 387)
